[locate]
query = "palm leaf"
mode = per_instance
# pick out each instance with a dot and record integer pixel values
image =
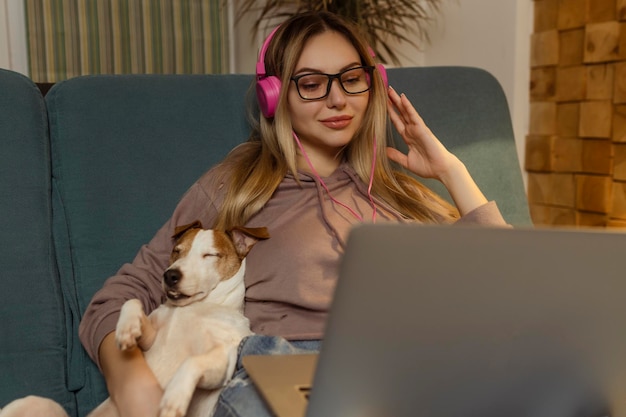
(386, 22)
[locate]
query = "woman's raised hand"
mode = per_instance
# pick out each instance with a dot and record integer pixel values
(427, 157)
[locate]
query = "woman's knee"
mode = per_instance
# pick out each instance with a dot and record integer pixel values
(33, 406)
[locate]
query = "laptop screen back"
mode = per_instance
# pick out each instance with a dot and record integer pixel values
(464, 321)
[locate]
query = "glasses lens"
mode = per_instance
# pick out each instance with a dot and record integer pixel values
(356, 80)
(312, 86)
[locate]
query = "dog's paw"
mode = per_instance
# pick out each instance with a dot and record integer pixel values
(174, 404)
(128, 329)
(126, 336)
(179, 391)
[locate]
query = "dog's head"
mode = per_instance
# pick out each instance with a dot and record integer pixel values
(202, 259)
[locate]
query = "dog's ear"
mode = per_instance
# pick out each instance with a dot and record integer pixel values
(180, 230)
(245, 237)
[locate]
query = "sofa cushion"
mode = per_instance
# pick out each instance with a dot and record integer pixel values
(33, 339)
(125, 149)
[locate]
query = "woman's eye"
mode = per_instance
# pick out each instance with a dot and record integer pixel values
(353, 77)
(311, 82)
(309, 86)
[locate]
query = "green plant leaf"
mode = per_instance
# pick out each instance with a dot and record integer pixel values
(382, 21)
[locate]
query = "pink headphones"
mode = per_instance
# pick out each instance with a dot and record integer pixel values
(268, 87)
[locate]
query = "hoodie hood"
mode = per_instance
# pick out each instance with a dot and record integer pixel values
(340, 197)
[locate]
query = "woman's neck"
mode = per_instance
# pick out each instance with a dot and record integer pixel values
(323, 166)
(320, 161)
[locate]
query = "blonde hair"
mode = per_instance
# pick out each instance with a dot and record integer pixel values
(256, 168)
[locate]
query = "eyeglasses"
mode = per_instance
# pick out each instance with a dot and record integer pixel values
(316, 85)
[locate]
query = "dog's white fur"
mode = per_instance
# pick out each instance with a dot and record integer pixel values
(190, 342)
(33, 406)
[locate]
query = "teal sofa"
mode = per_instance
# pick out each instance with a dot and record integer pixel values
(91, 171)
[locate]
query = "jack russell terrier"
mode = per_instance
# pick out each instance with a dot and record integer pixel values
(191, 340)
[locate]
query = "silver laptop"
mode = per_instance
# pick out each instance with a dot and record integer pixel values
(465, 321)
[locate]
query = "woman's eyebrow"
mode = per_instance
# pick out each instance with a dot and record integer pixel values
(308, 70)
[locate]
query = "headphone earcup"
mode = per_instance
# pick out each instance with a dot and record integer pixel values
(383, 73)
(268, 92)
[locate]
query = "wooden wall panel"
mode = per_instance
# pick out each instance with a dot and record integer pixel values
(576, 145)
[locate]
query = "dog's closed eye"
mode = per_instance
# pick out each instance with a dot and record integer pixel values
(216, 254)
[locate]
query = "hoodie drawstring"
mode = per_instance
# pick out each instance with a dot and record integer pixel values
(323, 184)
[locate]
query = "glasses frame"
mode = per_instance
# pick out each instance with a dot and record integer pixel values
(369, 70)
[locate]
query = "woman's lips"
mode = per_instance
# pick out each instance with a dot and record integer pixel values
(338, 122)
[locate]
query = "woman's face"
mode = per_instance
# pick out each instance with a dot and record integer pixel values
(326, 125)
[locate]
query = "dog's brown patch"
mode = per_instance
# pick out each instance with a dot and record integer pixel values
(180, 230)
(229, 262)
(183, 244)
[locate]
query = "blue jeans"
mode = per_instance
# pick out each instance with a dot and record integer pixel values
(240, 398)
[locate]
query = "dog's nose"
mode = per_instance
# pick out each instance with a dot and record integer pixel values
(171, 277)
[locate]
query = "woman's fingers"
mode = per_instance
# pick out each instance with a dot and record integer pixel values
(397, 156)
(404, 108)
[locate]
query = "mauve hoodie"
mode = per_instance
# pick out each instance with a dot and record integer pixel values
(290, 277)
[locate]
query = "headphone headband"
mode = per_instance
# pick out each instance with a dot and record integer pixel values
(260, 65)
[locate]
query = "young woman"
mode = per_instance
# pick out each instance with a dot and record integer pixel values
(312, 168)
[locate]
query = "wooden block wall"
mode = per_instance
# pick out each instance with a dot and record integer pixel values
(576, 143)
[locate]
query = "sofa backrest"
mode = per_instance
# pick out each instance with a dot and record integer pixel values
(33, 337)
(467, 110)
(125, 149)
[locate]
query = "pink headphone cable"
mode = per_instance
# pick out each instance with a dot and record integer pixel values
(371, 182)
(369, 187)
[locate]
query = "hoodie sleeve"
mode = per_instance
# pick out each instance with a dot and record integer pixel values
(486, 215)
